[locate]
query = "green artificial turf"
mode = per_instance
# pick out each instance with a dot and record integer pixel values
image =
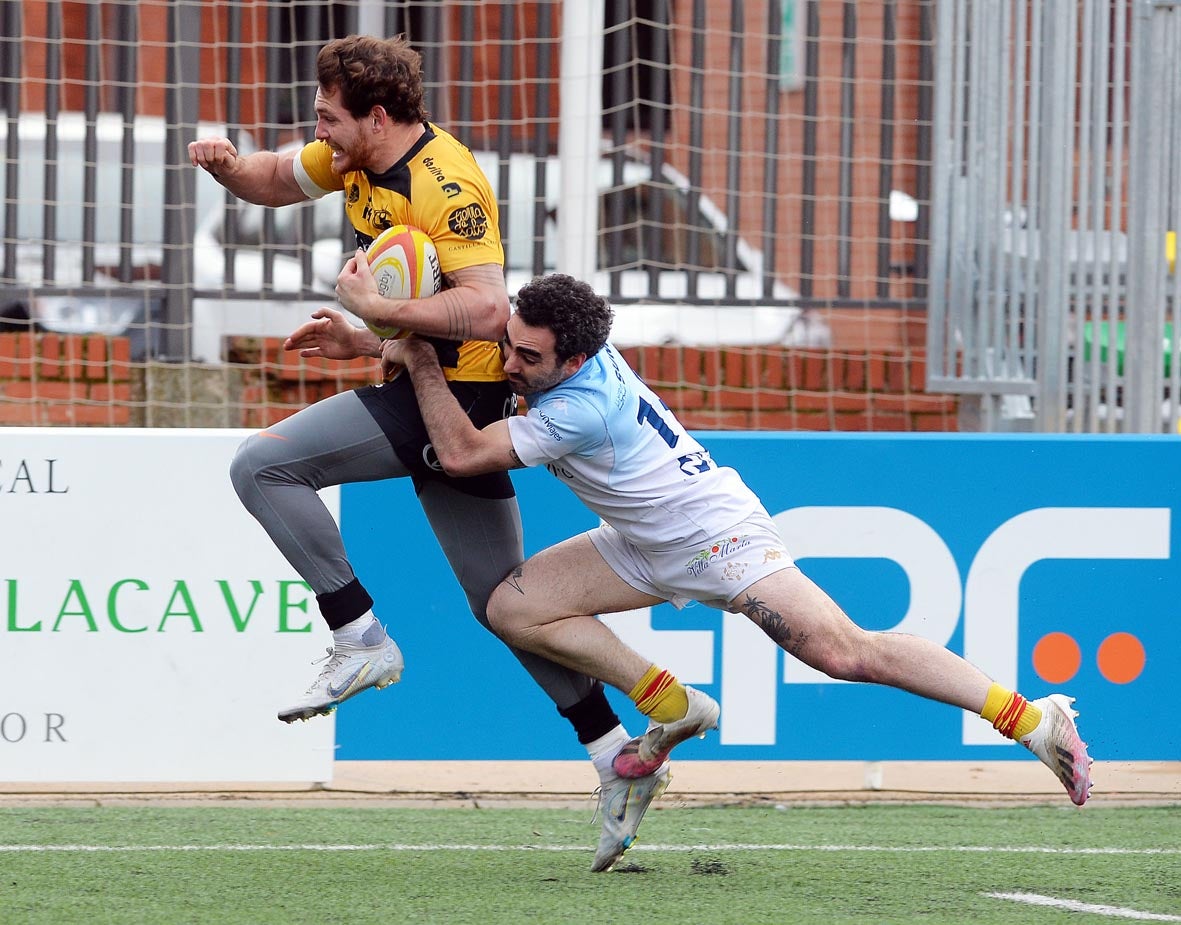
(326, 865)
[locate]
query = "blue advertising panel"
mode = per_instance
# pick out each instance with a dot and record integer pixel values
(1047, 561)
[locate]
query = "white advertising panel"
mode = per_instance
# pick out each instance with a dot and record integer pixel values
(149, 630)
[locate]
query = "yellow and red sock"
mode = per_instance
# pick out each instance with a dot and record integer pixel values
(661, 696)
(1010, 714)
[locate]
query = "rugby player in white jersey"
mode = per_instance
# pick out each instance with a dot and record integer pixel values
(676, 527)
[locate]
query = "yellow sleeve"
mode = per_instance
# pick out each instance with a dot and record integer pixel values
(313, 170)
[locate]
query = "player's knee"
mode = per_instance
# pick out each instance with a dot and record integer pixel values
(259, 464)
(507, 617)
(840, 656)
(498, 616)
(843, 666)
(244, 468)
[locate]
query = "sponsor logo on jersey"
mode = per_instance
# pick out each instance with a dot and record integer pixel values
(716, 553)
(560, 471)
(469, 222)
(450, 187)
(379, 218)
(549, 425)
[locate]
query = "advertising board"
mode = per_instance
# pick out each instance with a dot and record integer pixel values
(1048, 561)
(148, 628)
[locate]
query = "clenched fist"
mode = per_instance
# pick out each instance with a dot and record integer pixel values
(218, 156)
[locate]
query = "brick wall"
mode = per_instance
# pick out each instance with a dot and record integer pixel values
(765, 388)
(277, 383)
(783, 388)
(50, 379)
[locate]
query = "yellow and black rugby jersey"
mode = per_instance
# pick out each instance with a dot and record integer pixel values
(438, 187)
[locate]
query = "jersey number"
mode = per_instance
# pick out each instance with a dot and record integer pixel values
(649, 415)
(690, 464)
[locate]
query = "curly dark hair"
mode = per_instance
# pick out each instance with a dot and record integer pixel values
(578, 316)
(374, 72)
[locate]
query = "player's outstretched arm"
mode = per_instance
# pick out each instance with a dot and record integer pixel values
(474, 307)
(329, 334)
(461, 447)
(264, 177)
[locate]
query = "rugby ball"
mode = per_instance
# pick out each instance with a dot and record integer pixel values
(405, 264)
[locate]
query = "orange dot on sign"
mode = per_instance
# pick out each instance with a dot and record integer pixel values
(1121, 658)
(1056, 657)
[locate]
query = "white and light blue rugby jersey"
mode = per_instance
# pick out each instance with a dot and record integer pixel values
(621, 450)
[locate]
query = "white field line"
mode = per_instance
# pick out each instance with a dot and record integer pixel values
(1071, 905)
(883, 849)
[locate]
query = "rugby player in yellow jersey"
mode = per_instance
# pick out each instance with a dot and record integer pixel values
(374, 142)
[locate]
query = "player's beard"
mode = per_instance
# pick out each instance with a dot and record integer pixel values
(539, 383)
(355, 156)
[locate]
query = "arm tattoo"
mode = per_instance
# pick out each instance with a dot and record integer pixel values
(773, 624)
(459, 318)
(517, 464)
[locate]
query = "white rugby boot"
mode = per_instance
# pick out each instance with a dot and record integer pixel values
(1055, 740)
(622, 803)
(348, 671)
(644, 754)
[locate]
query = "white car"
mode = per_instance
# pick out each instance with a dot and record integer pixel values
(298, 250)
(653, 279)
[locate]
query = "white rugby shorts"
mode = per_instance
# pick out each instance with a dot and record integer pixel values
(713, 573)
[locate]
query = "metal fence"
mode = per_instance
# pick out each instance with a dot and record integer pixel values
(750, 151)
(1054, 298)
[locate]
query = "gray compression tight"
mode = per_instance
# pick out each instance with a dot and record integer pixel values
(278, 472)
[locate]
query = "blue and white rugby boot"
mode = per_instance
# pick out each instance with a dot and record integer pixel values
(622, 804)
(349, 670)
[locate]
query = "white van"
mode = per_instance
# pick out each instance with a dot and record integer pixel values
(67, 171)
(127, 174)
(652, 273)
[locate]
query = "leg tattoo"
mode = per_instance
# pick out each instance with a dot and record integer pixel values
(513, 579)
(773, 624)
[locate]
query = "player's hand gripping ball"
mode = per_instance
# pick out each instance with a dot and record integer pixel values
(405, 265)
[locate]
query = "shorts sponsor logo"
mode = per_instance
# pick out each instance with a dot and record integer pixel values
(716, 553)
(733, 571)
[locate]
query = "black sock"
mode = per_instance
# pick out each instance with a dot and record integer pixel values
(592, 717)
